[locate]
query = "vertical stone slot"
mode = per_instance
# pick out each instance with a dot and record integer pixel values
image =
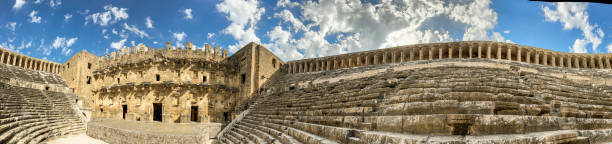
(124, 108)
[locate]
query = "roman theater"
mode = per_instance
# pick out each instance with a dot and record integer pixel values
(452, 92)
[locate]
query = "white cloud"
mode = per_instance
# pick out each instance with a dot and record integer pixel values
(609, 48)
(111, 15)
(83, 12)
(506, 31)
(54, 4)
(11, 26)
(149, 22)
(243, 15)
(179, 36)
(188, 13)
(63, 42)
(67, 17)
(118, 45)
(37, 1)
(135, 30)
(328, 27)
(34, 18)
(574, 16)
(209, 36)
(18, 4)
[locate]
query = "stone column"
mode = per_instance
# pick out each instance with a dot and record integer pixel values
(576, 62)
(537, 57)
(591, 60)
(411, 50)
(461, 51)
(440, 52)
(335, 64)
(518, 54)
(450, 52)
(430, 53)
(509, 54)
(359, 60)
(384, 60)
(553, 62)
(545, 58)
(351, 63)
(402, 55)
(480, 50)
(599, 62)
(561, 61)
(608, 62)
(420, 53)
(489, 51)
(14, 59)
(499, 50)
(375, 58)
(2, 57)
(367, 59)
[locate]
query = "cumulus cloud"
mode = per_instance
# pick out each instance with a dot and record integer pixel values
(64, 43)
(37, 1)
(67, 17)
(110, 16)
(149, 22)
(188, 13)
(243, 16)
(574, 16)
(118, 45)
(34, 18)
(18, 4)
(135, 30)
(11, 26)
(609, 48)
(179, 36)
(506, 31)
(328, 27)
(54, 4)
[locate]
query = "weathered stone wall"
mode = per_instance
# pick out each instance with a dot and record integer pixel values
(445, 100)
(467, 49)
(179, 79)
(78, 74)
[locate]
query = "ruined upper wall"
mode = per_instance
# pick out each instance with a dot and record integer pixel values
(142, 52)
(467, 49)
(23, 61)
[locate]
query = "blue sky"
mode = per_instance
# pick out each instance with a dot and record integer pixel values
(57, 29)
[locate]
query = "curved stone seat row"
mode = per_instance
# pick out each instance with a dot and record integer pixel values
(439, 104)
(31, 115)
(452, 50)
(12, 72)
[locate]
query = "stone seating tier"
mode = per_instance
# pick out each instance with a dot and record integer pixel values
(439, 104)
(32, 115)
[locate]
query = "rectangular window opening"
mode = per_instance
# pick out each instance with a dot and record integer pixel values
(203, 78)
(88, 80)
(88, 65)
(157, 78)
(243, 78)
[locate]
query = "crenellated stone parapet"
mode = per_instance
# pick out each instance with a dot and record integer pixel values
(142, 53)
(451, 50)
(27, 62)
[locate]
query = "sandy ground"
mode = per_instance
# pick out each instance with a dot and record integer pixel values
(75, 139)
